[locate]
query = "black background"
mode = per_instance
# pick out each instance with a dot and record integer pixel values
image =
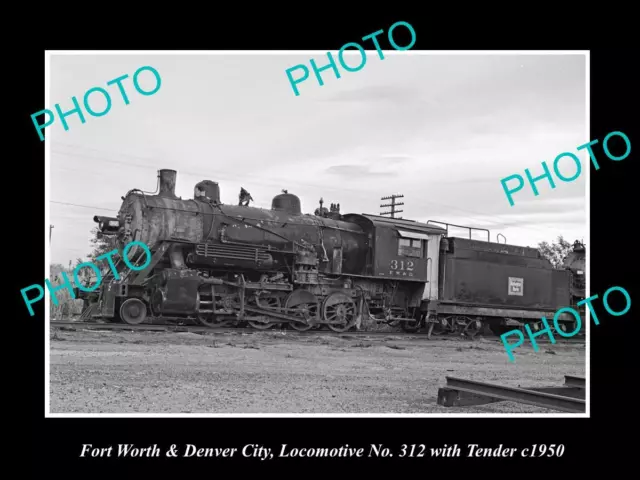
(54, 445)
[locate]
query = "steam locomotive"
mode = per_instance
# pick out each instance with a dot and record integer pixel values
(218, 264)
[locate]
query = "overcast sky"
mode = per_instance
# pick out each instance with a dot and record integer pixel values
(440, 129)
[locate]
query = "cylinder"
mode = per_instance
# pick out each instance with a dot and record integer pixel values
(167, 183)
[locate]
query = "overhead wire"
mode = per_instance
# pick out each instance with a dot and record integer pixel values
(492, 222)
(489, 219)
(84, 206)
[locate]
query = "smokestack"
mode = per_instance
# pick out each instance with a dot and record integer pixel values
(167, 183)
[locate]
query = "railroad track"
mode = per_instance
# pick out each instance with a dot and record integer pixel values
(203, 329)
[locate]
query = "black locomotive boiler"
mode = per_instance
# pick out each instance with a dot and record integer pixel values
(218, 264)
(214, 263)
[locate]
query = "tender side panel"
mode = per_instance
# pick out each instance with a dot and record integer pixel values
(487, 278)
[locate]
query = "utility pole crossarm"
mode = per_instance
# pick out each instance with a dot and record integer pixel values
(393, 205)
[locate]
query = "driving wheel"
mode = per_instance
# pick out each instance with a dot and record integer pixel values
(267, 302)
(211, 320)
(305, 307)
(339, 310)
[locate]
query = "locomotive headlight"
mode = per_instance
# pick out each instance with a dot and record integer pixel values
(107, 225)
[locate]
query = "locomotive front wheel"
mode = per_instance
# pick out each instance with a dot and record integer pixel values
(340, 311)
(133, 311)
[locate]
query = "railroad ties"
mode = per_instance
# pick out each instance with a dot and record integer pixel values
(176, 327)
(466, 393)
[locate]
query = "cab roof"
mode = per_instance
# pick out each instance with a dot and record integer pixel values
(402, 224)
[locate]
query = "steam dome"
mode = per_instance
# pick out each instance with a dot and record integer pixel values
(287, 202)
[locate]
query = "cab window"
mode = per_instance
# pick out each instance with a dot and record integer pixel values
(410, 247)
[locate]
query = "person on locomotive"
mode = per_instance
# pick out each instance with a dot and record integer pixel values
(244, 197)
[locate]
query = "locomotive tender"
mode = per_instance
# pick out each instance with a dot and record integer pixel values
(217, 264)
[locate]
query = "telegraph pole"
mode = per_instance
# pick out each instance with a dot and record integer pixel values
(393, 205)
(50, 229)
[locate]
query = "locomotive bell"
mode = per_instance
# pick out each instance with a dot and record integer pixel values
(287, 202)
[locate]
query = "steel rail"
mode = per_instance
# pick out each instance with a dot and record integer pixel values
(197, 328)
(228, 329)
(573, 381)
(159, 327)
(124, 326)
(520, 395)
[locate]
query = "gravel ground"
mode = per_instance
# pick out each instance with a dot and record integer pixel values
(278, 372)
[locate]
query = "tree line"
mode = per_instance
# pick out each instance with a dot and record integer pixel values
(67, 307)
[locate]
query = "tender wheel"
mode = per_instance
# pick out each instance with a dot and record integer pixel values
(305, 305)
(472, 328)
(340, 311)
(437, 328)
(268, 303)
(133, 311)
(499, 330)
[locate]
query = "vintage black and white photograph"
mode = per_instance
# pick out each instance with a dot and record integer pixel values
(219, 245)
